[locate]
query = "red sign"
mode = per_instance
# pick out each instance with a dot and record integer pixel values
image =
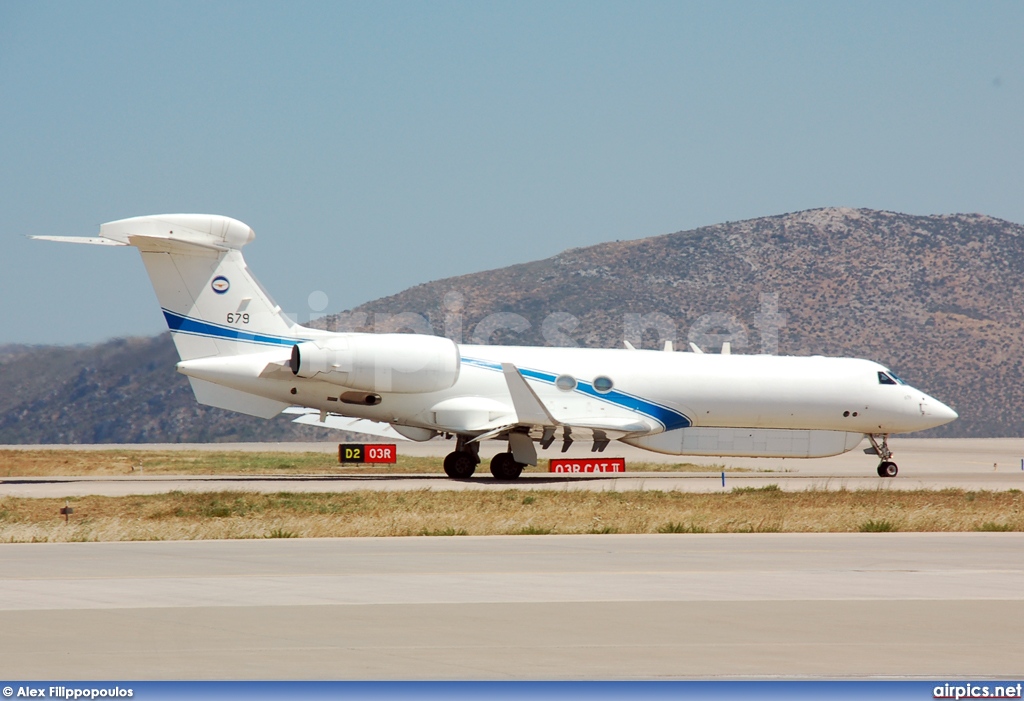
(367, 452)
(575, 465)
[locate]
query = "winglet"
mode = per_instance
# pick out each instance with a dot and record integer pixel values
(529, 408)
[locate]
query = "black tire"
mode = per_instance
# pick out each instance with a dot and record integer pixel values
(459, 464)
(887, 469)
(504, 467)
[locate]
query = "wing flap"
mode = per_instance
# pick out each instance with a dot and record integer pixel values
(610, 425)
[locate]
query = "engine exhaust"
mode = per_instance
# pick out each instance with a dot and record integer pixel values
(364, 398)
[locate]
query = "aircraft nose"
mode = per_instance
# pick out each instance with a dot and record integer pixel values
(937, 411)
(945, 412)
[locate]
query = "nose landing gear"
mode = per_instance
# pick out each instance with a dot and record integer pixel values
(886, 468)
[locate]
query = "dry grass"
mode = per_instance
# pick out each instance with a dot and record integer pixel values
(181, 516)
(187, 516)
(78, 463)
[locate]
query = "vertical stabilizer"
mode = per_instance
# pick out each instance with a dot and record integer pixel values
(212, 304)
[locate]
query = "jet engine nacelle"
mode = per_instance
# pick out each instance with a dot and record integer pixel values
(403, 363)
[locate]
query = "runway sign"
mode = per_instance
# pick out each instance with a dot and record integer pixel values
(367, 452)
(587, 465)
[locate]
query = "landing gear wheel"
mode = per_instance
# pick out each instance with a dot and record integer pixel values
(460, 464)
(504, 467)
(887, 469)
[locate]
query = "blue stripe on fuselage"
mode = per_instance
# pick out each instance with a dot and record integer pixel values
(194, 327)
(669, 418)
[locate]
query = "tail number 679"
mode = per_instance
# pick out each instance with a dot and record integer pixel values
(236, 318)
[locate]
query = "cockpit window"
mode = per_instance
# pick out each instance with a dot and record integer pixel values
(896, 377)
(885, 379)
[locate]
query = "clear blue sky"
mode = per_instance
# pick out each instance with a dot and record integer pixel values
(377, 145)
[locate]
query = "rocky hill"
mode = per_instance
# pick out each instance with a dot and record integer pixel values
(122, 391)
(939, 299)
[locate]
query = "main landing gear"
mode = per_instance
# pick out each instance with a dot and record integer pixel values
(461, 463)
(886, 468)
(504, 467)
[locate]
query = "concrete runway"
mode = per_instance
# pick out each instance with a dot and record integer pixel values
(936, 606)
(970, 464)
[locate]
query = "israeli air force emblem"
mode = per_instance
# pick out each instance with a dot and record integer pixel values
(220, 284)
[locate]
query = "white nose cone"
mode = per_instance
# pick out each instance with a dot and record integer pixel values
(936, 412)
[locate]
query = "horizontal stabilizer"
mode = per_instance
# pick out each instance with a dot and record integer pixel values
(94, 240)
(158, 244)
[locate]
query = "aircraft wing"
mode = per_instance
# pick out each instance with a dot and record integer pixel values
(530, 411)
(535, 422)
(312, 417)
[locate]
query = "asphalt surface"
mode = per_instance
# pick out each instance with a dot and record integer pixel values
(762, 606)
(903, 605)
(970, 464)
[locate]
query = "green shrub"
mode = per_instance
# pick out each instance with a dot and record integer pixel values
(873, 526)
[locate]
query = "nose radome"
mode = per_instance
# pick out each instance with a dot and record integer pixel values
(945, 412)
(935, 409)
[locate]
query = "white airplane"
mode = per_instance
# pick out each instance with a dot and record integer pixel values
(241, 353)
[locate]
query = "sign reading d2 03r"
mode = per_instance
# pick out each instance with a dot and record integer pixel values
(367, 452)
(587, 465)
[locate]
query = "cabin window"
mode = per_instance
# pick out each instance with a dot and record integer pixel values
(884, 379)
(566, 383)
(603, 384)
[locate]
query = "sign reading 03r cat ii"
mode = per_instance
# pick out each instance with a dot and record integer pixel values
(587, 465)
(367, 452)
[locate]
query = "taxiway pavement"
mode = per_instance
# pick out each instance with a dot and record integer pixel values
(971, 464)
(937, 606)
